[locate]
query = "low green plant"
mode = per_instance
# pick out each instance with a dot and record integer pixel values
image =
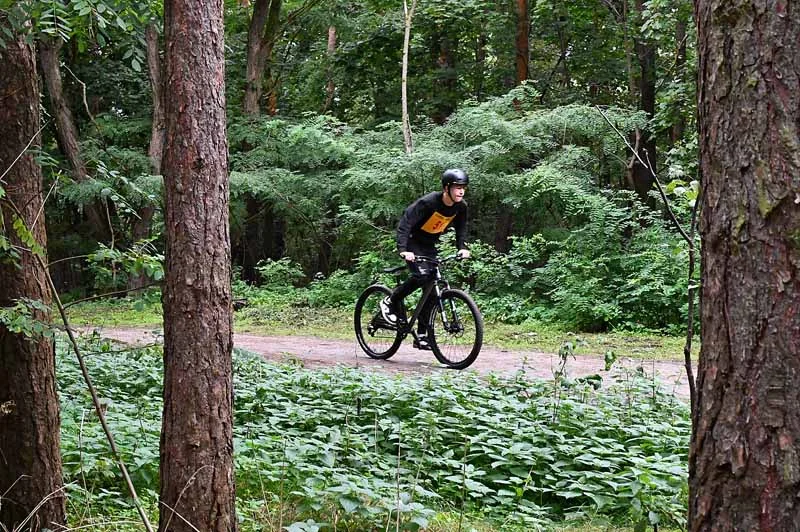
(350, 450)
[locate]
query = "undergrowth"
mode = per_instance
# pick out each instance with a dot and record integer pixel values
(348, 450)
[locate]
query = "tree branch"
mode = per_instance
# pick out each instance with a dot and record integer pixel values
(687, 349)
(655, 179)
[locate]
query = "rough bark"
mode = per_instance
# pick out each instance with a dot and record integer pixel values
(30, 459)
(261, 35)
(67, 131)
(522, 40)
(744, 468)
(196, 471)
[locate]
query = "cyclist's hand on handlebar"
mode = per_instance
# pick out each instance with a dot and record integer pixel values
(408, 256)
(463, 253)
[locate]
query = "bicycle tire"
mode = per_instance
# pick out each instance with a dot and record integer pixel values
(377, 339)
(457, 336)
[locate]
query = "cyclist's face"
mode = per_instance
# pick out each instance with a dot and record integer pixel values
(457, 192)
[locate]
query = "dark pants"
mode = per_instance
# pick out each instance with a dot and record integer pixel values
(421, 272)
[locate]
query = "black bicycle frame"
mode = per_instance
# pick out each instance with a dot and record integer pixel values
(437, 284)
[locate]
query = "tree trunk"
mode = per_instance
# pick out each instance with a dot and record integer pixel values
(646, 54)
(505, 218)
(330, 86)
(141, 228)
(30, 459)
(445, 82)
(480, 65)
(261, 35)
(408, 16)
(522, 40)
(744, 468)
(67, 132)
(196, 469)
(154, 69)
(678, 128)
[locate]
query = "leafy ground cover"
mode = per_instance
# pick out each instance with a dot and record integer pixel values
(340, 449)
(326, 322)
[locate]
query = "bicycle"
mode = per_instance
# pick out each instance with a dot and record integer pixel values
(453, 322)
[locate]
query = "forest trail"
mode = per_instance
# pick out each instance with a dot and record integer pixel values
(311, 352)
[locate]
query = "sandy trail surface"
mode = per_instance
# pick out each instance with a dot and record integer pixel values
(314, 352)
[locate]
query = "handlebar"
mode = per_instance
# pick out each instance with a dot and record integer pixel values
(423, 258)
(431, 260)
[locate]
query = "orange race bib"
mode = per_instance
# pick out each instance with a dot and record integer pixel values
(437, 223)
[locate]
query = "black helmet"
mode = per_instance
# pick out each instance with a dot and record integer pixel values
(454, 176)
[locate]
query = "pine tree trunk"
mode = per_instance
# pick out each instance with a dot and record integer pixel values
(744, 463)
(522, 41)
(196, 472)
(30, 459)
(261, 35)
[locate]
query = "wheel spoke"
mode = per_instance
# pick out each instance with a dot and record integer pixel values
(377, 338)
(457, 330)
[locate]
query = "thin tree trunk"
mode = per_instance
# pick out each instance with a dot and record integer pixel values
(446, 77)
(261, 35)
(154, 70)
(408, 16)
(646, 55)
(678, 128)
(744, 461)
(330, 86)
(141, 227)
(480, 65)
(196, 467)
(522, 40)
(67, 132)
(30, 459)
(505, 218)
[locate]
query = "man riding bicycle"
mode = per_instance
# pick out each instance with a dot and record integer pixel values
(418, 232)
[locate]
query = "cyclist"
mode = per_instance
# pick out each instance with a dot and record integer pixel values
(418, 233)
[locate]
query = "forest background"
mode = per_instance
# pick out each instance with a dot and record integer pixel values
(566, 225)
(538, 102)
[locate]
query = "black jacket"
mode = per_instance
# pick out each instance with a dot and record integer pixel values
(426, 219)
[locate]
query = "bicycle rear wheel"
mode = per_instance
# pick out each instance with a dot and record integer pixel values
(455, 330)
(376, 337)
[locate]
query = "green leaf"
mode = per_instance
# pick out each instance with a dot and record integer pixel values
(349, 505)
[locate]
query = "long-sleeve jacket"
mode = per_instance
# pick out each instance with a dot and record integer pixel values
(426, 219)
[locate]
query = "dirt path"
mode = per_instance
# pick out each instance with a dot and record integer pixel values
(319, 352)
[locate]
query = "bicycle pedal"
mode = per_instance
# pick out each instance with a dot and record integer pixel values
(422, 346)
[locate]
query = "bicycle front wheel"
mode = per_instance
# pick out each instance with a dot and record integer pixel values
(455, 329)
(377, 338)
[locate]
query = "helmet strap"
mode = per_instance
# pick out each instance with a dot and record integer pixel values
(447, 191)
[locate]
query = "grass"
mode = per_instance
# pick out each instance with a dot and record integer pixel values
(336, 323)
